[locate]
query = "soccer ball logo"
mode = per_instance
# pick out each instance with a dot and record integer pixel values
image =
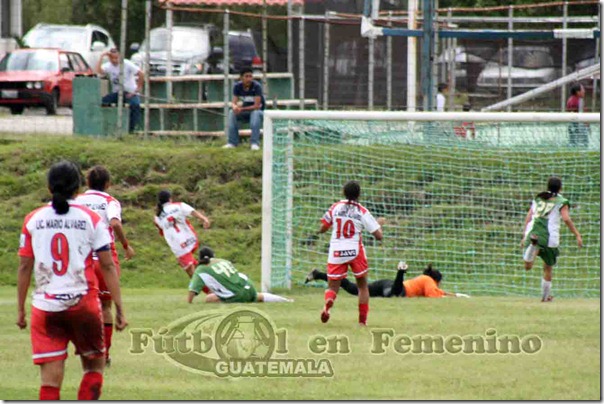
(245, 335)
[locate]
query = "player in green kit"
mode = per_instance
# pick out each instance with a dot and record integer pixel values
(542, 232)
(221, 282)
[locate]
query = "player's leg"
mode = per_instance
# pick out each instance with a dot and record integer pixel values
(49, 341)
(380, 288)
(188, 263)
(92, 381)
(51, 379)
(549, 257)
(333, 285)
(315, 275)
(86, 333)
(106, 303)
(212, 298)
(363, 299)
(271, 298)
(397, 287)
(531, 252)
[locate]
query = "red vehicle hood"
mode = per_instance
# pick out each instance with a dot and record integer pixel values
(25, 76)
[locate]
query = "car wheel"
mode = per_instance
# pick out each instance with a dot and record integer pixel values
(53, 103)
(17, 109)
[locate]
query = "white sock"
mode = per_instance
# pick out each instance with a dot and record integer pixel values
(530, 253)
(546, 288)
(270, 298)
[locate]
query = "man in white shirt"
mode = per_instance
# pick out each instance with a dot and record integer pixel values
(441, 100)
(133, 83)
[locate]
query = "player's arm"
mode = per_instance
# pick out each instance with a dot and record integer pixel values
(571, 226)
(191, 296)
(255, 106)
(204, 219)
(378, 234)
(196, 286)
(113, 284)
(118, 230)
(26, 266)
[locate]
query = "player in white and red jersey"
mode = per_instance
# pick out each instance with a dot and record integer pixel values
(348, 219)
(171, 220)
(110, 210)
(57, 243)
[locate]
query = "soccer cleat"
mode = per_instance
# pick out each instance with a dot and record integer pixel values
(325, 312)
(254, 147)
(311, 275)
(402, 266)
(108, 362)
(547, 299)
(229, 146)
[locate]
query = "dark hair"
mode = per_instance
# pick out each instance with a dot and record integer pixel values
(467, 107)
(442, 87)
(575, 88)
(554, 185)
(352, 190)
(245, 70)
(98, 178)
(205, 255)
(64, 180)
(114, 50)
(433, 273)
(163, 197)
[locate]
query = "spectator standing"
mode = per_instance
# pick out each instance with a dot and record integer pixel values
(578, 133)
(441, 100)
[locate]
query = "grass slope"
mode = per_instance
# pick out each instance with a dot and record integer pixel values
(225, 184)
(566, 367)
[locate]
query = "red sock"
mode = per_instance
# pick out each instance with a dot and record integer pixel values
(363, 310)
(108, 334)
(90, 387)
(330, 295)
(50, 393)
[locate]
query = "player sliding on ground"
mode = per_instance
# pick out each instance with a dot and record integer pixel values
(57, 243)
(110, 210)
(348, 218)
(171, 220)
(542, 232)
(425, 285)
(221, 282)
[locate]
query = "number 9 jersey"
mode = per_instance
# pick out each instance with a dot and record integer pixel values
(348, 219)
(62, 247)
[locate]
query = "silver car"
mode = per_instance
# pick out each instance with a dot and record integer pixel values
(532, 66)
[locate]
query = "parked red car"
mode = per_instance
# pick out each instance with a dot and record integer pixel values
(39, 77)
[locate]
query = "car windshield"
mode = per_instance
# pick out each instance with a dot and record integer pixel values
(36, 60)
(526, 58)
(68, 38)
(193, 41)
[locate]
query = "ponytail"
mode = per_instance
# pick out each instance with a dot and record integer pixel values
(162, 198)
(433, 273)
(59, 203)
(554, 185)
(64, 180)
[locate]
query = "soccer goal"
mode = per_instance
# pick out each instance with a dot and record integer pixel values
(454, 189)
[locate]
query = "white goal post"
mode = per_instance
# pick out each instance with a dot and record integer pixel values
(286, 124)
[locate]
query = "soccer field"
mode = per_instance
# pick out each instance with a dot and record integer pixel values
(567, 365)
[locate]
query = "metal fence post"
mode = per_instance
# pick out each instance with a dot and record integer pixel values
(120, 97)
(265, 89)
(326, 39)
(370, 71)
(290, 38)
(226, 65)
(411, 58)
(598, 58)
(169, 25)
(389, 66)
(301, 61)
(510, 54)
(146, 68)
(564, 55)
(450, 52)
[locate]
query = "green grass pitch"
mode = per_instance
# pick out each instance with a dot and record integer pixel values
(567, 366)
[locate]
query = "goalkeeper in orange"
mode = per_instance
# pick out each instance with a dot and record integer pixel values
(425, 285)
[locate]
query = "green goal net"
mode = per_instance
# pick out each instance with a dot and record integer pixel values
(454, 190)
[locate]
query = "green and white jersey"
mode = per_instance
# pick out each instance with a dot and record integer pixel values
(545, 220)
(221, 278)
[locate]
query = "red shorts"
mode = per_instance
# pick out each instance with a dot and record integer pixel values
(358, 266)
(104, 293)
(81, 324)
(185, 260)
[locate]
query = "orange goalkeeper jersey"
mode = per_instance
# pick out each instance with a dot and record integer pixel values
(422, 285)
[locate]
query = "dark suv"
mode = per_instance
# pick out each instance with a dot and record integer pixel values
(243, 53)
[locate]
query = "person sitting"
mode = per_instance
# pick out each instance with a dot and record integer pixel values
(247, 106)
